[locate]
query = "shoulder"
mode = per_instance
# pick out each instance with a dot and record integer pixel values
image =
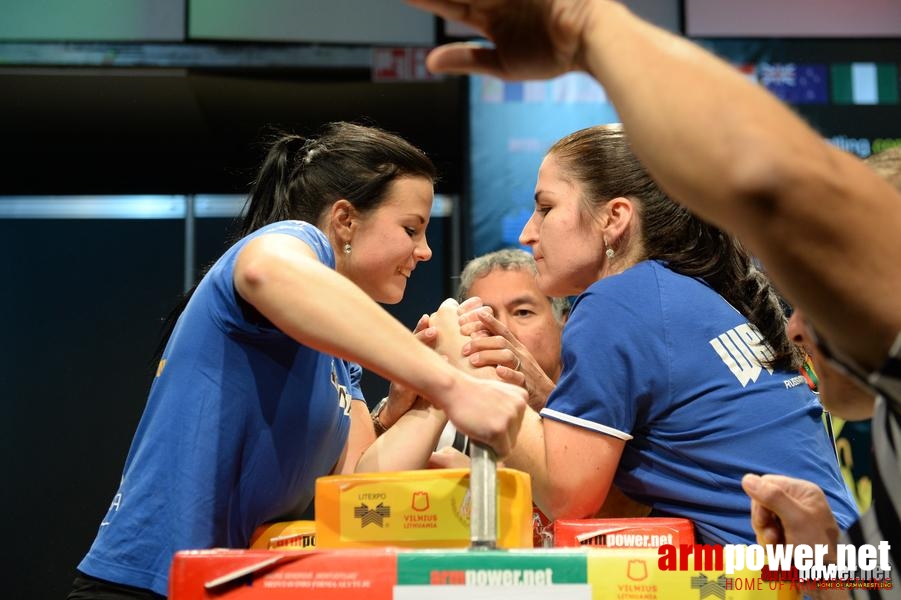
(635, 290)
(311, 235)
(618, 309)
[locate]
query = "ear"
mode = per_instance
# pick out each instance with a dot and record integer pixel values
(344, 219)
(618, 214)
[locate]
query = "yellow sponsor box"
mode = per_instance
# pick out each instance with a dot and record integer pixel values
(416, 509)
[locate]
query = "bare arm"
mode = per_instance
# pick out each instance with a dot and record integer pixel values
(281, 277)
(401, 399)
(823, 224)
(359, 439)
(409, 442)
(571, 468)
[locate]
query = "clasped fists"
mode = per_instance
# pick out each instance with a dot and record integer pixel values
(480, 406)
(492, 343)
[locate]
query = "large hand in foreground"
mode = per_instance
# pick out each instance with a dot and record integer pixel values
(785, 510)
(533, 38)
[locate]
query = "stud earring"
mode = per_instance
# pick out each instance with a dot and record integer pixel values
(347, 248)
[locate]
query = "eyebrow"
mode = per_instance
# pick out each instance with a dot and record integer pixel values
(526, 298)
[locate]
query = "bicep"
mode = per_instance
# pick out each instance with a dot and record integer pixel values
(582, 463)
(836, 217)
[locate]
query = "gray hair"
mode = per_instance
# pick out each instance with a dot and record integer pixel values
(509, 259)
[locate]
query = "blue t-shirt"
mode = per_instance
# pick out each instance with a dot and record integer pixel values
(662, 361)
(240, 422)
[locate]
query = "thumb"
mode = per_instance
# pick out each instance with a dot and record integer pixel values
(773, 493)
(464, 57)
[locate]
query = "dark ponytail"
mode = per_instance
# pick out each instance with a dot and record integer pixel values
(600, 159)
(270, 197)
(300, 178)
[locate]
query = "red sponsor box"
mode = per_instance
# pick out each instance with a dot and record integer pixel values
(274, 575)
(645, 532)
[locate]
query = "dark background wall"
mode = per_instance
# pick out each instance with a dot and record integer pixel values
(84, 298)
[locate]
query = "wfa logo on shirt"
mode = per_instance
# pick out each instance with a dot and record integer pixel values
(743, 350)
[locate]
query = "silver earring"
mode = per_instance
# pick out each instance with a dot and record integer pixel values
(608, 251)
(347, 248)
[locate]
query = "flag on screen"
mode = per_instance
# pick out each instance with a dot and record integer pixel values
(865, 83)
(749, 70)
(492, 89)
(795, 83)
(513, 91)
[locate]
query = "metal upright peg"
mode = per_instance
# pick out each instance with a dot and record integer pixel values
(483, 494)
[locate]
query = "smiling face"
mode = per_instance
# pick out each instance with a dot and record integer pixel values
(517, 302)
(566, 241)
(388, 242)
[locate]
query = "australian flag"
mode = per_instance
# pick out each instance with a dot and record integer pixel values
(795, 83)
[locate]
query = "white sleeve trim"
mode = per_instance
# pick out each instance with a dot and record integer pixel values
(547, 412)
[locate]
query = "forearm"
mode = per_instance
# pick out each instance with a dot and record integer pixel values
(359, 438)
(571, 467)
(551, 491)
(319, 308)
(739, 158)
(529, 455)
(408, 444)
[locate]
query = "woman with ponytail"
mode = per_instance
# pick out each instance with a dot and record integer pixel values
(257, 391)
(678, 377)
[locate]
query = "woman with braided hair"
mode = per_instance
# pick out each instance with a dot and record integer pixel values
(678, 377)
(257, 391)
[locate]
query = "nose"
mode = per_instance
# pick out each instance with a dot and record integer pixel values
(529, 234)
(422, 251)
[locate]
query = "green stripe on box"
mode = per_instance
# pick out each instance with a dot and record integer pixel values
(490, 567)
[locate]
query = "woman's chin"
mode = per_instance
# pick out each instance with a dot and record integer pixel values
(391, 296)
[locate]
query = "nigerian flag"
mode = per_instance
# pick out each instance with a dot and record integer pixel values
(865, 83)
